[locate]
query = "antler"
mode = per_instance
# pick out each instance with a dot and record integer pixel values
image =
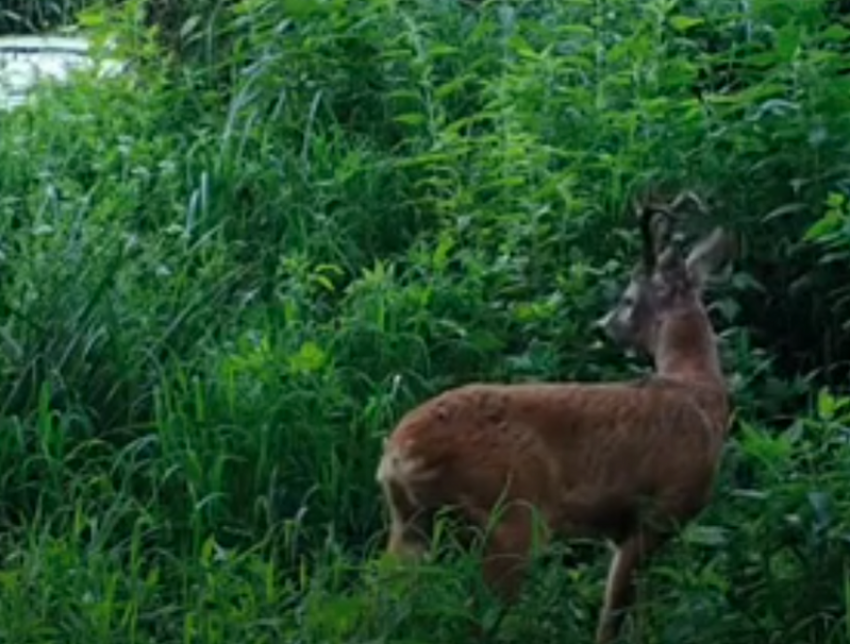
(688, 196)
(652, 233)
(656, 223)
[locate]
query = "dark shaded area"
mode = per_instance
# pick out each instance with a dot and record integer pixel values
(32, 16)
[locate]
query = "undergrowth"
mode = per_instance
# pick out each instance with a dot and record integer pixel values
(227, 272)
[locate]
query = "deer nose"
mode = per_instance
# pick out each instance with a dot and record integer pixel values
(603, 323)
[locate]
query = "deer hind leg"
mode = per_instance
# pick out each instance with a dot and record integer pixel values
(409, 524)
(506, 556)
(508, 540)
(631, 553)
(508, 547)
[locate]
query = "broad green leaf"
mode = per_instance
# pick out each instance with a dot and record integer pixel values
(683, 23)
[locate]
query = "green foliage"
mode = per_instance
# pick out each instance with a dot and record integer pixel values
(225, 274)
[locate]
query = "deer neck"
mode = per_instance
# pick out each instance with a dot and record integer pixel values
(686, 348)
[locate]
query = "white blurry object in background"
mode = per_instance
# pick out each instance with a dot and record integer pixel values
(27, 60)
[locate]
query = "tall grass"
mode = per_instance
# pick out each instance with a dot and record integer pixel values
(227, 273)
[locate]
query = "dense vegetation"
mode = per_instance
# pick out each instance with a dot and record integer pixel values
(227, 273)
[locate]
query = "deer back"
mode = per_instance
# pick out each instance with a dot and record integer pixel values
(585, 455)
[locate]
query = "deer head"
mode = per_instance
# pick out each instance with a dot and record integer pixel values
(666, 283)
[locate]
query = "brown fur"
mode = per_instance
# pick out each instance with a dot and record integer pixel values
(629, 462)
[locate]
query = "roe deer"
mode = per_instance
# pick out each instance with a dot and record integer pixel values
(629, 462)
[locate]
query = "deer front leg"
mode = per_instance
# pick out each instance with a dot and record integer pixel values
(620, 588)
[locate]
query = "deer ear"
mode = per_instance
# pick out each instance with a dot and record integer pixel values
(709, 255)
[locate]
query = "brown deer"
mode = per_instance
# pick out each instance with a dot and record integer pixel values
(629, 462)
